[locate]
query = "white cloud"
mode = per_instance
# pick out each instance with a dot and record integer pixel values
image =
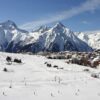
(89, 5)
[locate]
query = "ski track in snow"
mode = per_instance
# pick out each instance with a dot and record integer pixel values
(33, 80)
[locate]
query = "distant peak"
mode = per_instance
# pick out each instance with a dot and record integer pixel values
(42, 29)
(10, 21)
(59, 25)
(8, 24)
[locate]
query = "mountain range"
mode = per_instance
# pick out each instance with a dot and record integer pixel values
(91, 38)
(52, 39)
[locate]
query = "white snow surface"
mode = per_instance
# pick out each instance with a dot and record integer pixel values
(33, 80)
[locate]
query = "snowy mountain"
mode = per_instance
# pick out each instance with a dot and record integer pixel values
(10, 34)
(92, 39)
(55, 39)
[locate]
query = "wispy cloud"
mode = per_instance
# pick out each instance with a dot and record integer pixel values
(85, 22)
(89, 5)
(92, 31)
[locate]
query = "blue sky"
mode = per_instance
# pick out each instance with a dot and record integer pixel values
(78, 15)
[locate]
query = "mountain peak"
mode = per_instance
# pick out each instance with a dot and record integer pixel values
(8, 24)
(42, 29)
(59, 25)
(58, 28)
(9, 21)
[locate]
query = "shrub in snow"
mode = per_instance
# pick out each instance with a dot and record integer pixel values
(86, 70)
(60, 57)
(17, 60)
(56, 57)
(9, 59)
(45, 63)
(4, 94)
(10, 86)
(49, 65)
(95, 75)
(5, 70)
(52, 95)
(75, 61)
(68, 56)
(55, 66)
(95, 62)
(49, 57)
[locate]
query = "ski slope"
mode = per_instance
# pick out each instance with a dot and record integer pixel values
(33, 80)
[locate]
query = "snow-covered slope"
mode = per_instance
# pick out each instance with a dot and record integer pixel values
(92, 39)
(57, 38)
(33, 80)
